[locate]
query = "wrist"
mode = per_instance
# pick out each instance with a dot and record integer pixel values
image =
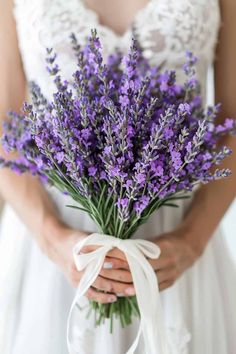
(52, 232)
(55, 234)
(195, 238)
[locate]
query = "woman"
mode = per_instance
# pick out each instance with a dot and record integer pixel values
(38, 232)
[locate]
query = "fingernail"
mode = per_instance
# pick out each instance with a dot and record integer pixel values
(130, 291)
(107, 265)
(112, 299)
(120, 294)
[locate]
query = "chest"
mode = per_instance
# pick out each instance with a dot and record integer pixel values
(186, 20)
(117, 15)
(166, 29)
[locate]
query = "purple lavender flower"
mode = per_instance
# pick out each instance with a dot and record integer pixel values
(123, 130)
(141, 204)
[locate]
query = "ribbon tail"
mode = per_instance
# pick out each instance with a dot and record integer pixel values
(148, 298)
(91, 273)
(134, 346)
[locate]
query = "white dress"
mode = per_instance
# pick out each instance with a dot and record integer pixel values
(199, 309)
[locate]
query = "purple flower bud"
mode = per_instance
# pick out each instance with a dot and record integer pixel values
(122, 202)
(184, 108)
(59, 156)
(124, 100)
(92, 171)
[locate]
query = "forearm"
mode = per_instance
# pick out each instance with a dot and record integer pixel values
(31, 202)
(210, 203)
(29, 199)
(25, 193)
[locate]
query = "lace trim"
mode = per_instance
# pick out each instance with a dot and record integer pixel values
(166, 28)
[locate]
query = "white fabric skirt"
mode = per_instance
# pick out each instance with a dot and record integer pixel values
(199, 309)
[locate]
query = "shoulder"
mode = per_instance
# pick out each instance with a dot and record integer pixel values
(228, 23)
(6, 15)
(228, 9)
(6, 7)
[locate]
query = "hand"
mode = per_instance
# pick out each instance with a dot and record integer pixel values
(177, 255)
(114, 279)
(57, 242)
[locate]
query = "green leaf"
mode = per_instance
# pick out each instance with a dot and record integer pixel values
(101, 196)
(76, 207)
(171, 205)
(108, 217)
(179, 197)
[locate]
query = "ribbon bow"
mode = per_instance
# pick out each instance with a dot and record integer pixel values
(148, 297)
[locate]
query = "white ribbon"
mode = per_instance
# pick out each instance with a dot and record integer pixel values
(145, 282)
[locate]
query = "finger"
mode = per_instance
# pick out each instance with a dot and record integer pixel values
(165, 243)
(123, 276)
(115, 263)
(162, 262)
(102, 284)
(116, 253)
(118, 256)
(121, 289)
(165, 275)
(100, 297)
(165, 285)
(74, 275)
(164, 259)
(88, 248)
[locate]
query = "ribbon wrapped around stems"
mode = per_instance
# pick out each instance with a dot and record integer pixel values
(136, 251)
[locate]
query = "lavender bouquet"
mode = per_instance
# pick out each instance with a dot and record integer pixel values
(122, 138)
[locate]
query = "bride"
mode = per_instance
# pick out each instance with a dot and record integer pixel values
(37, 274)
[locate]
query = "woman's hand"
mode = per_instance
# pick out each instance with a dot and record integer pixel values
(178, 253)
(57, 241)
(114, 279)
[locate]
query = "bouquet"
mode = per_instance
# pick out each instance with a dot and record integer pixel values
(122, 138)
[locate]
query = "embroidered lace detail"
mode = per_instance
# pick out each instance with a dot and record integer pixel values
(179, 339)
(167, 29)
(170, 28)
(83, 341)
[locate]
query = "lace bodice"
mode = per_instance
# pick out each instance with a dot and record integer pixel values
(166, 28)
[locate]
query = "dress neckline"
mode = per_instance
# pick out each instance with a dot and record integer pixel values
(108, 29)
